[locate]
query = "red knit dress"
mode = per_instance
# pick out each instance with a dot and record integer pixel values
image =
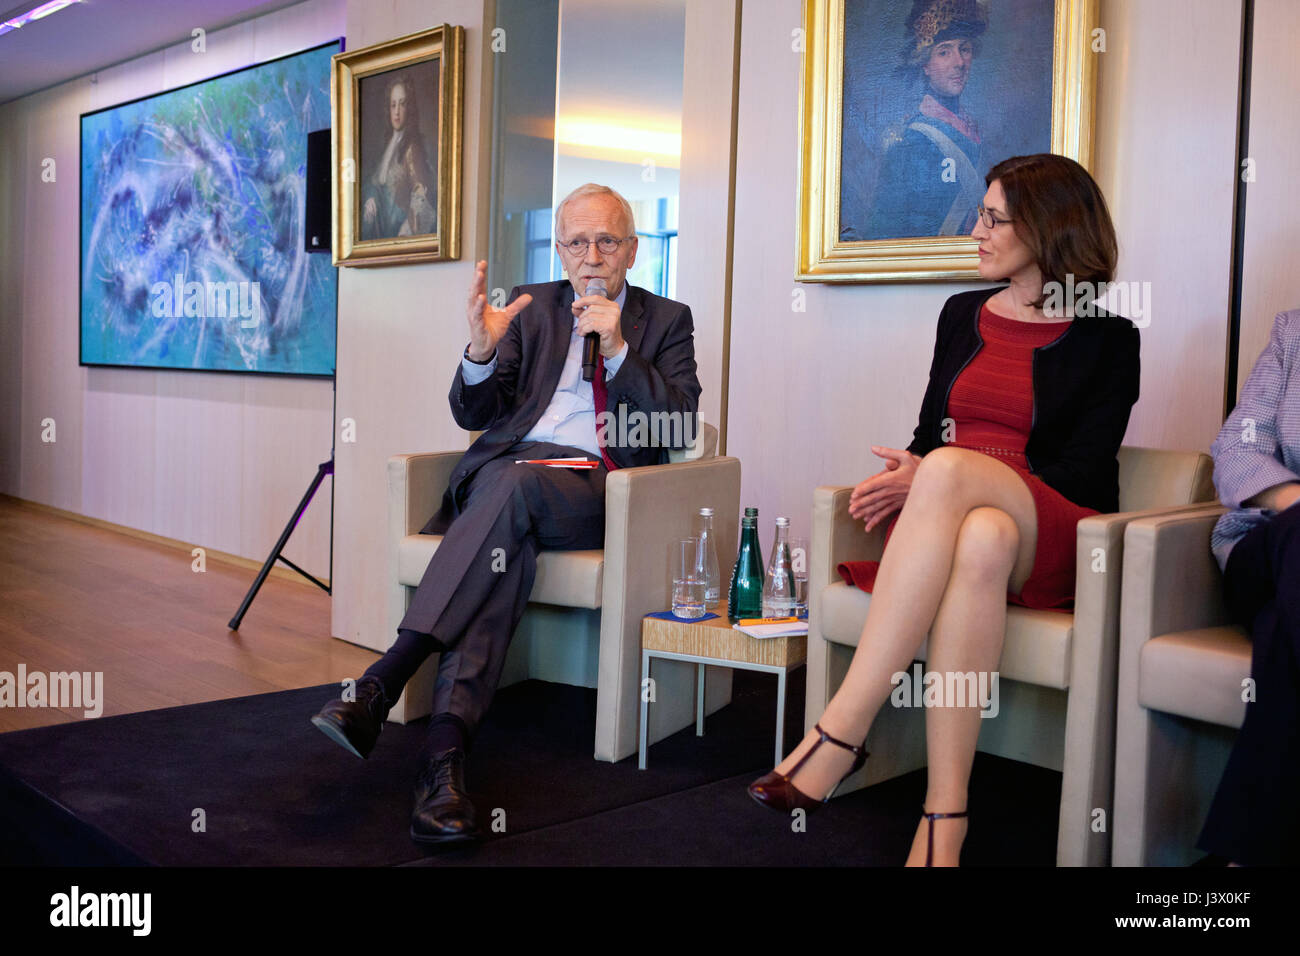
(992, 407)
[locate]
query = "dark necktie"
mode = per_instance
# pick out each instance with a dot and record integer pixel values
(601, 396)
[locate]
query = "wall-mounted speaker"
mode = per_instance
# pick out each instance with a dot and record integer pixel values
(320, 185)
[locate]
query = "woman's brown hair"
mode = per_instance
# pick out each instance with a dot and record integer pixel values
(1061, 215)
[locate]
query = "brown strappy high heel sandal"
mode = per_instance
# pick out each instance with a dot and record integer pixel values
(929, 846)
(776, 790)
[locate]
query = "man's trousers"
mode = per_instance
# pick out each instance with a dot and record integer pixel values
(1253, 819)
(476, 586)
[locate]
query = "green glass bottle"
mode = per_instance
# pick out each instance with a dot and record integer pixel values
(745, 599)
(758, 544)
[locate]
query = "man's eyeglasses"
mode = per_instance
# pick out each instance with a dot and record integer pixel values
(986, 217)
(607, 245)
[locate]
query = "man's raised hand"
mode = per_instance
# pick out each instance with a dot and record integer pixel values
(486, 324)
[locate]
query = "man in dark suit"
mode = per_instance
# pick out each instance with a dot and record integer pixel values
(520, 382)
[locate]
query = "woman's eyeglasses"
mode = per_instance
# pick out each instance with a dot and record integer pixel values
(986, 217)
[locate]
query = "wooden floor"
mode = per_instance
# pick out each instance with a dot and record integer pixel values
(77, 597)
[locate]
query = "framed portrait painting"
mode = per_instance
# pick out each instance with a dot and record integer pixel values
(905, 105)
(397, 149)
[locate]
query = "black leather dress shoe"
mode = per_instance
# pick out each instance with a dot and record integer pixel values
(443, 811)
(355, 725)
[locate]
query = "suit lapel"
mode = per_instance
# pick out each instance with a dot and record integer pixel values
(632, 321)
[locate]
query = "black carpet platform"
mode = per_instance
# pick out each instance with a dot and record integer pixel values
(275, 791)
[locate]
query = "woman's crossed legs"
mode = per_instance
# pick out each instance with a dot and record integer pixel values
(966, 535)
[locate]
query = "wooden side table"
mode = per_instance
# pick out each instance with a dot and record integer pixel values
(715, 642)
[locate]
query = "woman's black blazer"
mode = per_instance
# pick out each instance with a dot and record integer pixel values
(1085, 384)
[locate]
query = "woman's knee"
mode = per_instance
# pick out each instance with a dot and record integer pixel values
(988, 544)
(943, 479)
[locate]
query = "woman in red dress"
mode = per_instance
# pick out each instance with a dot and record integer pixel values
(1027, 403)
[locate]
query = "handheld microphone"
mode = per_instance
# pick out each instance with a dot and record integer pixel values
(591, 342)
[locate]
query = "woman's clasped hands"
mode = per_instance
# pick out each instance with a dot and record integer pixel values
(879, 496)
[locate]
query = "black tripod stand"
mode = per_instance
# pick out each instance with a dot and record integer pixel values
(323, 469)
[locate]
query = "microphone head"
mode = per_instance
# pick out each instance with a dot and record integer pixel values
(596, 286)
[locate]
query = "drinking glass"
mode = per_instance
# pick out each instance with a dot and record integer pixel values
(688, 579)
(799, 565)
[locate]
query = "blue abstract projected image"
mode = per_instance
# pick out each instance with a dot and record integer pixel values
(192, 206)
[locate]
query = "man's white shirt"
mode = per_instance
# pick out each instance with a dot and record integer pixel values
(570, 418)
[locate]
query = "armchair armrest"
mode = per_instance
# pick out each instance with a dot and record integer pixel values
(1166, 556)
(836, 537)
(415, 487)
(645, 510)
(1100, 558)
(1171, 583)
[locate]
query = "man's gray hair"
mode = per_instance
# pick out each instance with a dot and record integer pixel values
(594, 189)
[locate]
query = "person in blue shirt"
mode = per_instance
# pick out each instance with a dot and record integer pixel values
(1253, 818)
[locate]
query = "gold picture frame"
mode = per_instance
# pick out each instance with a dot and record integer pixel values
(822, 253)
(383, 138)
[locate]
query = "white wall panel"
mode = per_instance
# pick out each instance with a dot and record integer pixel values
(13, 262)
(52, 380)
(286, 434)
(705, 187)
(199, 458)
(1270, 279)
(119, 447)
(223, 51)
(1166, 136)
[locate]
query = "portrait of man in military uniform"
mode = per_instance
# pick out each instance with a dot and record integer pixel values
(970, 86)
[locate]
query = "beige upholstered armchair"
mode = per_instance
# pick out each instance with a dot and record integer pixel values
(583, 623)
(1182, 665)
(1057, 673)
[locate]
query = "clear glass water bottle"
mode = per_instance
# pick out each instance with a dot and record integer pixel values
(745, 599)
(778, 585)
(709, 558)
